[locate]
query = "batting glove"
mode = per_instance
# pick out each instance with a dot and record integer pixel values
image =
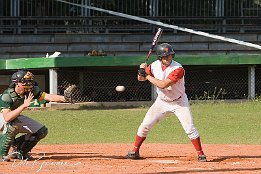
(142, 72)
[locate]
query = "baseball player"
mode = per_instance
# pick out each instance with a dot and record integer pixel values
(13, 101)
(168, 76)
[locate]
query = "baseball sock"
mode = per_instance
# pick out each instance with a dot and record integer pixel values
(197, 144)
(139, 140)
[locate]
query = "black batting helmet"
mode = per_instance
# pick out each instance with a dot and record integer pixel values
(164, 49)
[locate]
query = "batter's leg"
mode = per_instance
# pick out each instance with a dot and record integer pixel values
(154, 115)
(184, 115)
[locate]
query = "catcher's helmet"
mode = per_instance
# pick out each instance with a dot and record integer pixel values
(24, 77)
(164, 49)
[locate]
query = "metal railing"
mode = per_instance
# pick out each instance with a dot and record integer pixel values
(43, 25)
(51, 16)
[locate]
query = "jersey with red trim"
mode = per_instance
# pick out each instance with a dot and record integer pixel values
(174, 72)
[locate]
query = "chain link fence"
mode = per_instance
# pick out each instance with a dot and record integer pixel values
(99, 85)
(217, 82)
(258, 81)
(202, 83)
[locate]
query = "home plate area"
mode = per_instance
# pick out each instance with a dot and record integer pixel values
(156, 158)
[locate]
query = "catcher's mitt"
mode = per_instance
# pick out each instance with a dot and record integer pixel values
(68, 93)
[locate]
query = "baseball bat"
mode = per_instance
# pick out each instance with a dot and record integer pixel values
(154, 42)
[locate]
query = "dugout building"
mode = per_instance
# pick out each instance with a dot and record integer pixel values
(100, 50)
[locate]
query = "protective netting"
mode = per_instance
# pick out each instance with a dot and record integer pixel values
(202, 83)
(258, 82)
(99, 86)
(217, 83)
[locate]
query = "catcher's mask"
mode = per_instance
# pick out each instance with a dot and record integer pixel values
(164, 49)
(24, 77)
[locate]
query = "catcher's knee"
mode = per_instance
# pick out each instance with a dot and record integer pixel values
(25, 143)
(37, 136)
(41, 133)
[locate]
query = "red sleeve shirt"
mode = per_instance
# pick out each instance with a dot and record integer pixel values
(148, 70)
(174, 75)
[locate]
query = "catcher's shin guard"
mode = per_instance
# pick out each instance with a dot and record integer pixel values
(25, 143)
(7, 138)
(17, 144)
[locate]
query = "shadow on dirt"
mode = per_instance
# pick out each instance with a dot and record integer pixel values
(103, 107)
(245, 170)
(69, 156)
(224, 158)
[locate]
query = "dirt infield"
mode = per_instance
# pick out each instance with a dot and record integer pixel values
(157, 158)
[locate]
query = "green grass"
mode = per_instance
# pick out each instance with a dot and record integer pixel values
(217, 123)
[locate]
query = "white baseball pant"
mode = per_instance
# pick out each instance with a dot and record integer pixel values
(159, 111)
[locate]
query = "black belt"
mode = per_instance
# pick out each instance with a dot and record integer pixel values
(177, 98)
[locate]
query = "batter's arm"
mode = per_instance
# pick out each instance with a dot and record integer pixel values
(160, 83)
(172, 78)
(11, 115)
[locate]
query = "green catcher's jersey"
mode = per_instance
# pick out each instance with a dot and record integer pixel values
(11, 100)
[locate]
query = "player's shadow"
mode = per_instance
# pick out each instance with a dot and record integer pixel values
(245, 170)
(218, 159)
(68, 156)
(167, 157)
(223, 158)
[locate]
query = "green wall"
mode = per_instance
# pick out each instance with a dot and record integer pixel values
(42, 63)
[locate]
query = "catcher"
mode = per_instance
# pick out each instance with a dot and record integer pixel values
(13, 101)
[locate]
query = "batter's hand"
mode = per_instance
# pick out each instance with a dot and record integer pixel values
(143, 65)
(142, 72)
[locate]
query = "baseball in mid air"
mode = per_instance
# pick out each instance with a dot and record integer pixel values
(120, 88)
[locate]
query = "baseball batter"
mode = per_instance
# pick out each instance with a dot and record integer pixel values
(168, 76)
(13, 101)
